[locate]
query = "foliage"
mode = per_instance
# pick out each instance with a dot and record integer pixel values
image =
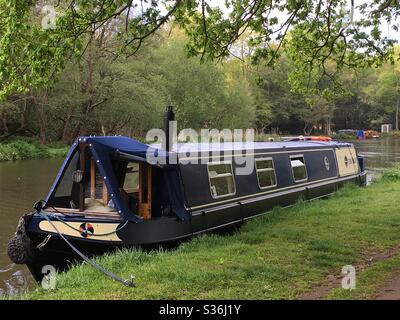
(394, 134)
(392, 174)
(102, 88)
(312, 32)
(101, 95)
(343, 136)
(21, 149)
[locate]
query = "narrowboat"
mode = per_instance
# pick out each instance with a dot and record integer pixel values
(108, 194)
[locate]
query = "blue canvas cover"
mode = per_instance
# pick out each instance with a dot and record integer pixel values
(104, 149)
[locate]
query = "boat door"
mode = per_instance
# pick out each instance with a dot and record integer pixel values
(145, 190)
(347, 161)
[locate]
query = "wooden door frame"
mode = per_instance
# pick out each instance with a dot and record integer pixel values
(145, 180)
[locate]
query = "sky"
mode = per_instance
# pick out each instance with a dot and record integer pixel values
(385, 29)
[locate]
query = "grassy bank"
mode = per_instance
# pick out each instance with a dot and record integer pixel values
(277, 256)
(343, 136)
(392, 134)
(23, 148)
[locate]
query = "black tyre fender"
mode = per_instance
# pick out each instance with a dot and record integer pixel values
(21, 249)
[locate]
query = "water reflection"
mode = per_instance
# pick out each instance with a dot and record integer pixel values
(379, 154)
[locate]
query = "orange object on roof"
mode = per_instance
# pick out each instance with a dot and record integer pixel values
(319, 138)
(371, 134)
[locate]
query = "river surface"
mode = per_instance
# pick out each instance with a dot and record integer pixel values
(22, 183)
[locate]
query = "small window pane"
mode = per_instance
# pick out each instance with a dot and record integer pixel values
(131, 183)
(264, 164)
(265, 173)
(299, 168)
(299, 173)
(221, 179)
(216, 169)
(64, 189)
(221, 186)
(266, 178)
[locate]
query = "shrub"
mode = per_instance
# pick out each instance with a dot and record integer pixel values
(343, 136)
(392, 174)
(22, 149)
(394, 134)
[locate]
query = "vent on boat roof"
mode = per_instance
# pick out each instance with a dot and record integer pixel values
(169, 116)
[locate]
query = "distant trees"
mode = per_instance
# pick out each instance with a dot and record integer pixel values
(103, 95)
(385, 91)
(310, 71)
(315, 33)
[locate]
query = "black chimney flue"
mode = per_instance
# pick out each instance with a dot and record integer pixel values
(169, 115)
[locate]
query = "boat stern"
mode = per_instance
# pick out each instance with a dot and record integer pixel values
(47, 239)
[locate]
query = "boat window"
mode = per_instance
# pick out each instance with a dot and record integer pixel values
(97, 197)
(131, 183)
(137, 188)
(265, 173)
(222, 183)
(299, 168)
(64, 189)
(82, 187)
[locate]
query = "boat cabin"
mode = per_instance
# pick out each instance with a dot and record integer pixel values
(110, 177)
(110, 184)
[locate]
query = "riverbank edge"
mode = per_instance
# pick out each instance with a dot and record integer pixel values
(20, 148)
(26, 149)
(277, 256)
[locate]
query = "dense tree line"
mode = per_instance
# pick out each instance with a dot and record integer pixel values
(314, 33)
(102, 94)
(101, 90)
(109, 67)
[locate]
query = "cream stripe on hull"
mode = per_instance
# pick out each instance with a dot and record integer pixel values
(99, 228)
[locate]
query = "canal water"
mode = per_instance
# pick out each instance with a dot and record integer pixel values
(22, 183)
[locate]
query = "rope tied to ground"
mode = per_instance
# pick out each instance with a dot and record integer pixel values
(39, 210)
(127, 283)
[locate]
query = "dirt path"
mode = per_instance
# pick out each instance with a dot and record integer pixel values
(391, 290)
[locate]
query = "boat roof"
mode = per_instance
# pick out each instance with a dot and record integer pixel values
(278, 145)
(135, 147)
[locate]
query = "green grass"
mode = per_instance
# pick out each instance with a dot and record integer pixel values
(392, 134)
(276, 256)
(343, 136)
(23, 148)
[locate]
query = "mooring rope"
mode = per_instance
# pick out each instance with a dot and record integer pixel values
(127, 283)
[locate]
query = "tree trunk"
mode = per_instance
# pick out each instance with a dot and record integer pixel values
(66, 132)
(41, 117)
(308, 128)
(328, 128)
(4, 124)
(23, 115)
(397, 112)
